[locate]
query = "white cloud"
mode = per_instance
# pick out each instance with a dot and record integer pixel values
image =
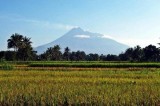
(142, 42)
(50, 25)
(82, 36)
(107, 36)
(63, 26)
(38, 23)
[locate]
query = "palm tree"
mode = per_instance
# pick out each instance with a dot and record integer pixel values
(56, 48)
(66, 54)
(48, 53)
(22, 46)
(15, 41)
(26, 42)
(56, 53)
(26, 50)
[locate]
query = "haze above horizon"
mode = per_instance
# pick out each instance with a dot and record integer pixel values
(132, 22)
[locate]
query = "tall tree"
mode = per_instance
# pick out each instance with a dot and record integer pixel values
(48, 54)
(66, 54)
(57, 55)
(92, 57)
(129, 53)
(22, 47)
(26, 51)
(137, 53)
(151, 53)
(26, 42)
(15, 41)
(73, 56)
(53, 53)
(80, 55)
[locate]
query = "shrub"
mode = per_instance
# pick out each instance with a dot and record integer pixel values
(4, 65)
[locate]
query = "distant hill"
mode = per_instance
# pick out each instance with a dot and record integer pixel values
(78, 39)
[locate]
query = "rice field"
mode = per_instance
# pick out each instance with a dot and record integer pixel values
(95, 64)
(111, 87)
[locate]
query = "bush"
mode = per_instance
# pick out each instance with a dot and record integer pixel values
(4, 65)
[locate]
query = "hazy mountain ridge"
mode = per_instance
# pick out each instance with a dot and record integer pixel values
(78, 39)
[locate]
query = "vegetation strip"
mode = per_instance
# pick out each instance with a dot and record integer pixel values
(96, 65)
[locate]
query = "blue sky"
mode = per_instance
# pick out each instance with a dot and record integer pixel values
(133, 22)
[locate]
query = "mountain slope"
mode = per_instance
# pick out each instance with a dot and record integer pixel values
(78, 39)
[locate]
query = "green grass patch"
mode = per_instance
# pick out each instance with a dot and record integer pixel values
(4, 65)
(94, 64)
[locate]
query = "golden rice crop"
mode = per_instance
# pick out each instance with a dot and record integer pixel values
(80, 87)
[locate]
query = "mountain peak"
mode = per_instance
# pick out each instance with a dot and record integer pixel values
(78, 39)
(77, 29)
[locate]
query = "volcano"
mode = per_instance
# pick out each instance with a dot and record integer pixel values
(89, 42)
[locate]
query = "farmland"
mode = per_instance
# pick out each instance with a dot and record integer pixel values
(81, 64)
(95, 64)
(50, 85)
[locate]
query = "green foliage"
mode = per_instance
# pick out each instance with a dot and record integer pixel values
(15, 41)
(54, 53)
(97, 64)
(66, 54)
(22, 47)
(148, 54)
(4, 65)
(23, 51)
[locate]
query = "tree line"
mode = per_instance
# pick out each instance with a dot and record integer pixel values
(22, 50)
